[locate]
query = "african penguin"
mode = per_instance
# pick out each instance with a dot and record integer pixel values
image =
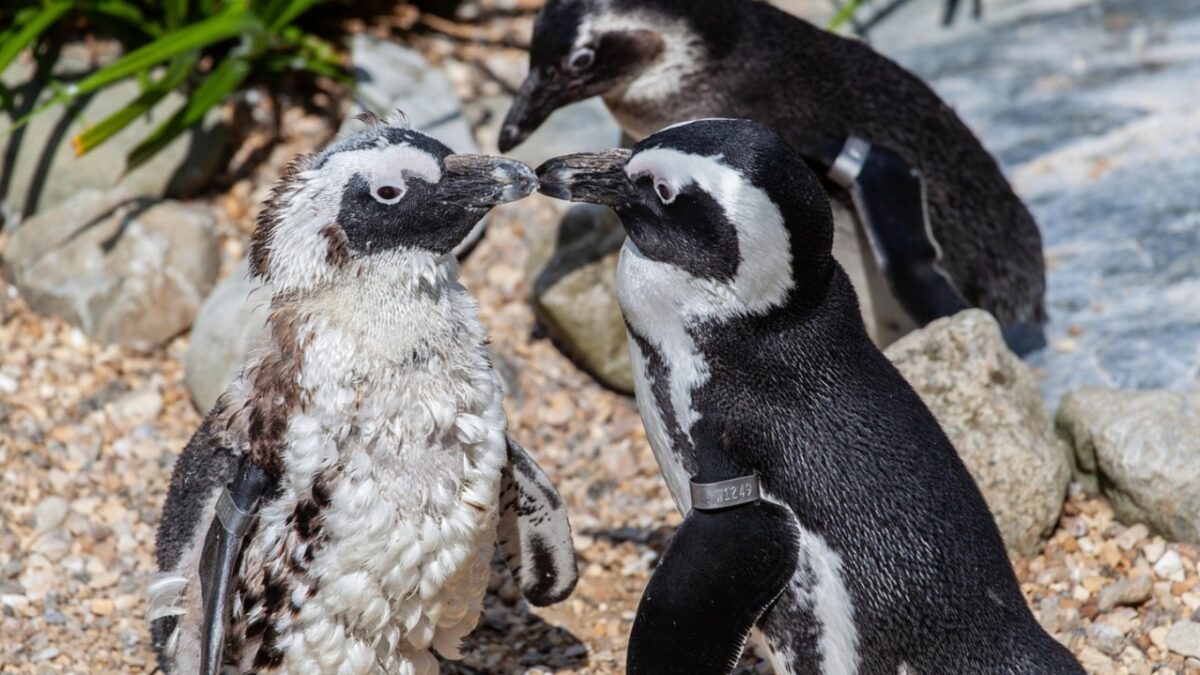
(910, 182)
(338, 508)
(823, 504)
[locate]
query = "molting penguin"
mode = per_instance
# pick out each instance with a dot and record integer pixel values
(823, 503)
(337, 510)
(945, 227)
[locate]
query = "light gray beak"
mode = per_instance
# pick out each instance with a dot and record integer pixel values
(482, 181)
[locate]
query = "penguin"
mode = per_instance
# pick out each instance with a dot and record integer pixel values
(825, 509)
(926, 221)
(338, 509)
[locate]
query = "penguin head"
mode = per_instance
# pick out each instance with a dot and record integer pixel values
(584, 48)
(724, 209)
(386, 188)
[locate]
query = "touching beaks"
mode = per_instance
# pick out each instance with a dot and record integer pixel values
(482, 181)
(595, 177)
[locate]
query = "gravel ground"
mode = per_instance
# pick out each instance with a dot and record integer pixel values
(89, 433)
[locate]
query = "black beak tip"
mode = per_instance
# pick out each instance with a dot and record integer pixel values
(554, 179)
(510, 137)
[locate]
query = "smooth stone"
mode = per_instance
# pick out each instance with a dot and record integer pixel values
(989, 404)
(229, 320)
(1126, 592)
(130, 271)
(573, 272)
(1141, 449)
(1184, 638)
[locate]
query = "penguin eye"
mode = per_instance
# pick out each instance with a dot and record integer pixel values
(581, 59)
(388, 194)
(666, 193)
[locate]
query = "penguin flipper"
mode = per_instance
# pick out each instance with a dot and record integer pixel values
(889, 196)
(533, 532)
(235, 511)
(719, 574)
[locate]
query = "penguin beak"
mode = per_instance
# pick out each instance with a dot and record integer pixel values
(594, 177)
(537, 98)
(481, 182)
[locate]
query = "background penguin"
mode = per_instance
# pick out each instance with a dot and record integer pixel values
(945, 227)
(871, 549)
(337, 510)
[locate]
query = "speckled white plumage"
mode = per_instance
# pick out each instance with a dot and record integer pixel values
(403, 419)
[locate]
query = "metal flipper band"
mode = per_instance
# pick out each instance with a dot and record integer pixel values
(849, 162)
(724, 494)
(233, 519)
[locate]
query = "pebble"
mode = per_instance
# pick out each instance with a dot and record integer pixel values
(50, 513)
(1184, 638)
(1106, 638)
(1133, 591)
(1169, 566)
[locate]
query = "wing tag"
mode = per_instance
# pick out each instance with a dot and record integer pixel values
(724, 494)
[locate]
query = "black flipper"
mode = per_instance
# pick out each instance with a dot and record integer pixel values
(533, 531)
(721, 571)
(889, 196)
(235, 511)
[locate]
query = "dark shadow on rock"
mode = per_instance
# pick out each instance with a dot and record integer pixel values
(585, 236)
(29, 94)
(59, 134)
(511, 638)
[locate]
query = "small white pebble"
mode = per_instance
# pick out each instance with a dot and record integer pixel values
(1169, 566)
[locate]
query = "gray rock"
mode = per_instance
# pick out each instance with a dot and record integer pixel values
(1142, 449)
(232, 315)
(991, 408)
(1101, 147)
(123, 270)
(574, 292)
(1126, 593)
(1108, 639)
(390, 78)
(40, 168)
(1184, 638)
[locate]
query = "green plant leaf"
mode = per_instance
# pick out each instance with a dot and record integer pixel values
(197, 36)
(219, 83)
(844, 14)
(128, 13)
(289, 13)
(96, 134)
(12, 45)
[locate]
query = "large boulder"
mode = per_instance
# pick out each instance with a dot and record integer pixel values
(1142, 450)
(41, 169)
(229, 320)
(130, 271)
(987, 401)
(574, 293)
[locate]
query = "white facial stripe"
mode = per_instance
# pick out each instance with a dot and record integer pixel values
(764, 277)
(298, 249)
(682, 51)
(387, 165)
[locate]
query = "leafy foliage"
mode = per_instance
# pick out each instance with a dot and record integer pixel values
(207, 49)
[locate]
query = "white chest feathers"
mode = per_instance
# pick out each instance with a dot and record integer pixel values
(381, 536)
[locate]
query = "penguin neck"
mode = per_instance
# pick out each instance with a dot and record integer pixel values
(390, 305)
